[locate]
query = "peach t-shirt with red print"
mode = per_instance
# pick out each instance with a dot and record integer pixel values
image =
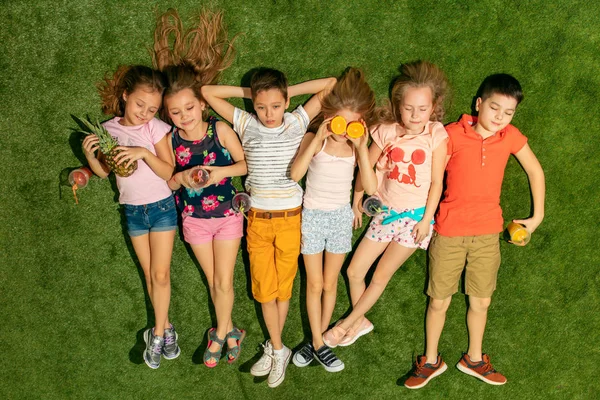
(404, 167)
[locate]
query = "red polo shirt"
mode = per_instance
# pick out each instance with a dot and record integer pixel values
(471, 204)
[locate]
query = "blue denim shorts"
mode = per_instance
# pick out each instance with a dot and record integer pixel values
(154, 217)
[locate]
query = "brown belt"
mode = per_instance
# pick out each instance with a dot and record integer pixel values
(274, 214)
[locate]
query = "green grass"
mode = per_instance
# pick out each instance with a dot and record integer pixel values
(73, 304)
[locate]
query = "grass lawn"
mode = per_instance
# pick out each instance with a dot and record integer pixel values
(72, 296)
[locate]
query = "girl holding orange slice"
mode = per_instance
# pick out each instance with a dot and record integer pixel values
(330, 157)
(409, 151)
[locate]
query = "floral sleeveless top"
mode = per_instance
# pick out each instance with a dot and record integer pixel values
(212, 201)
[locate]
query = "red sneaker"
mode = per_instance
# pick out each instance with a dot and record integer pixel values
(422, 372)
(481, 370)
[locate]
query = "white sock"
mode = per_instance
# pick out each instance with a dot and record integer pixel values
(280, 351)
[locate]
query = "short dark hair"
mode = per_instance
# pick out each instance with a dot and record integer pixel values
(503, 84)
(266, 79)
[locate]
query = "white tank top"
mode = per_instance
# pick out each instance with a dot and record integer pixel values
(329, 181)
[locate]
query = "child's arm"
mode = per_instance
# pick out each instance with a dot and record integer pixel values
(89, 146)
(368, 180)
(311, 144)
(161, 163)
(438, 166)
(319, 86)
(215, 96)
(537, 183)
(231, 143)
(374, 154)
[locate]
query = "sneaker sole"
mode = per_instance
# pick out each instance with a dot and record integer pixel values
(300, 364)
(260, 373)
(358, 335)
(440, 371)
(278, 381)
(170, 357)
(331, 369)
(144, 355)
(469, 371)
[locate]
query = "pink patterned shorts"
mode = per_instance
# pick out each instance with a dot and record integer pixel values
(399, 231)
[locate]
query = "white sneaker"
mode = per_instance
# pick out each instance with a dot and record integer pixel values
(263, 366)
(280, 363)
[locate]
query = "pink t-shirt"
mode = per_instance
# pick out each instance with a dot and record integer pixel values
(143, 186)
(404, 167)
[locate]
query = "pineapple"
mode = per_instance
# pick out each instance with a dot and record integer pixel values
(107, 144)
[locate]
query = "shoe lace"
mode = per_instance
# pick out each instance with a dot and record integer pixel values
(169, 338)
(487, 368)
(156, 347)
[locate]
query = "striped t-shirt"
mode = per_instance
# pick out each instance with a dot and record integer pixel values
(269, 155)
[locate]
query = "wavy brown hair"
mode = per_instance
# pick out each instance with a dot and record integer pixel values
(126, 79)
(351, 92)
(415, 74)
(194, 57)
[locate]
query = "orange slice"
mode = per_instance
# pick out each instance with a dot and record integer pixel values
(355, 129)
(338, 125)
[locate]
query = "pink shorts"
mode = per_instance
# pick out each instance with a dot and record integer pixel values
(399, 231)
(203, 230)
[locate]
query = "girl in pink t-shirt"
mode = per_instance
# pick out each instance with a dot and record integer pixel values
(134, 95)
(327, 217)
(409, 150)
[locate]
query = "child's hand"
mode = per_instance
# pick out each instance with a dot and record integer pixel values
(362, 141)
(90, 145)
(181, 179)
(128, 155)
(358, 212)
(324, 132)
(530, 224)
(420, 231)
(215, 175)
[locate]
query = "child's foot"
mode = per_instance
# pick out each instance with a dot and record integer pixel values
(422, 372)
(352, 335)
(212, 354)
(263, 366)
(281, 359)
(235, 337)
(304, 356)
(154, 346)
(481, 370)
(334, 336)
(328, 359)
(171, 349)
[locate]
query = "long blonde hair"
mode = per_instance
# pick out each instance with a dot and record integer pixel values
(194, 57)
(415, 74)
(351, 92)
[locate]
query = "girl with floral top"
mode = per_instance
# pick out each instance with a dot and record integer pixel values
(210, 226)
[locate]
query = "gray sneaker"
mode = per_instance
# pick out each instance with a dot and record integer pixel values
(171, 349)
(263, 366)
(154, 346)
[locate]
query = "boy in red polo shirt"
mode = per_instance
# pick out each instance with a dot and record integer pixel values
(469, 221)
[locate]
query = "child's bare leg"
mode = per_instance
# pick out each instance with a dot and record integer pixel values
(270, 312)
(283, 307)
(366, 253)
(161, 248)
(206, 258)
(393, 258)
(314, 290)
(476, 321)
(141, 246)
(434, 324)
(225, 255)
(331, 272)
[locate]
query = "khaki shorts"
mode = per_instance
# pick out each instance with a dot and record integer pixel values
(273, 240)
(447, 259)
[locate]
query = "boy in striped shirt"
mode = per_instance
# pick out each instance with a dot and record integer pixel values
(270, 140)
